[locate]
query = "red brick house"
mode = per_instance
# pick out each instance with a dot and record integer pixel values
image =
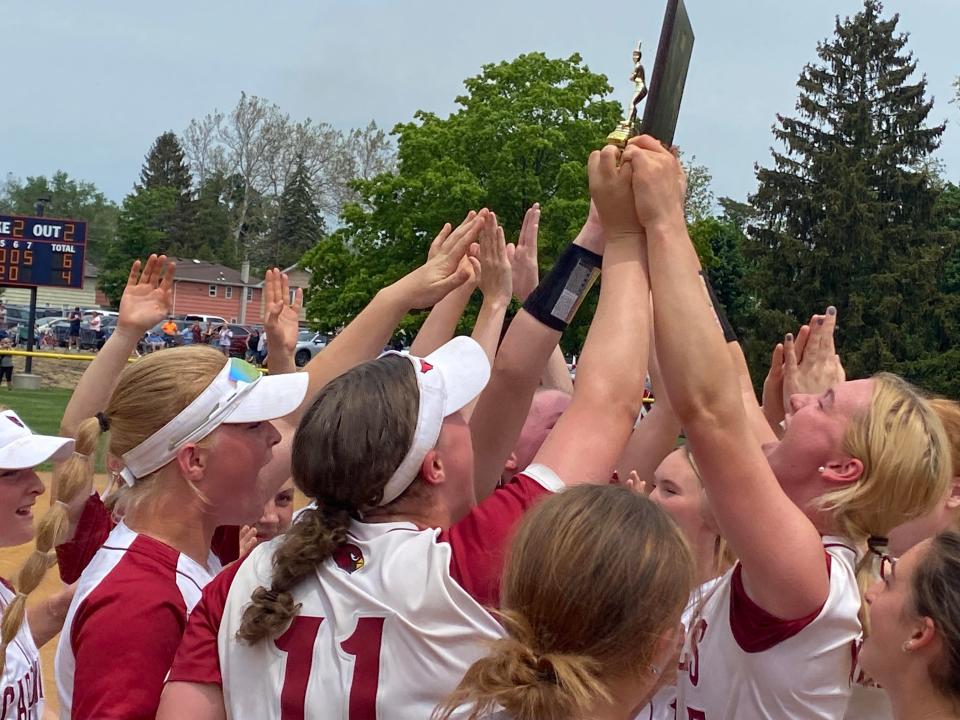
(206, 288)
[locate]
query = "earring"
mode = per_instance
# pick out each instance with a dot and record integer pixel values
(907, 646)
(821, 469)
(654, 670)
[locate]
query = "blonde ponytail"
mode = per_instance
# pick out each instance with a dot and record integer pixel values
(597, 577)
(72, 478)
(527, 684)
(907, 469)
(150, 393)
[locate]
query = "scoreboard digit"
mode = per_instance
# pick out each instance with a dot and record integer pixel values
(42, 251)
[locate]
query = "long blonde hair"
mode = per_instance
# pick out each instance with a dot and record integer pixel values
(595, 577)
(149, 394)
(907, 470)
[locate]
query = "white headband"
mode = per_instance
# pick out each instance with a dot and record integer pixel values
(448, 379)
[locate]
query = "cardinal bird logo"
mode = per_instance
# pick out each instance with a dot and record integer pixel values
(425, 367)
(348, 557)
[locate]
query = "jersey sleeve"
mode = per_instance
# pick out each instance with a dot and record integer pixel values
(93, 528)
(197, 659)
(123, 648)
(755, 629)
(479, 541)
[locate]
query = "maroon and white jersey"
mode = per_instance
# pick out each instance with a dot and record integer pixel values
(21, 685)
(386, 628)
(124, 626)
(742, 663)
(663, 705)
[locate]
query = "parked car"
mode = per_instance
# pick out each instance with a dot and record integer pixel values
(204, 319)
(238, 345)
(308, 344)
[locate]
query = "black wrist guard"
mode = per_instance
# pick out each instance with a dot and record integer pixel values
(729, 334)
(556, 299)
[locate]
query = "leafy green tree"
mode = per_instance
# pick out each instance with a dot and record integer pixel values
(846, 215)
(213, 222)
(521, 134)
(75, 199)
(140, 231)
(719, 243)
(299, 223)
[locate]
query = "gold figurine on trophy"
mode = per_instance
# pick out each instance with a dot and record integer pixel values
(627, 127)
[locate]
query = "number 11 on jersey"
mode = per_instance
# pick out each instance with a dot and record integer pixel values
(363, 645)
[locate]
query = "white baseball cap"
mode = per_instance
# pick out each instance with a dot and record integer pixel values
(239, 393)
(449, 379)
(20, 448)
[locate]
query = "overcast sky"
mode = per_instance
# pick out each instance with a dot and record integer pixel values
(91, 84)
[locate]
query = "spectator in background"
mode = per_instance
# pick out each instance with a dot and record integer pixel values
(224, 339)
(196, 332)
(253, 345)
(169, 329)
(262, 347)
(186, 335)
(75, 318)
(3, 315)
(96, 325)
(6, 363)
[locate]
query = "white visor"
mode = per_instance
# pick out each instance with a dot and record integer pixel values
(449, 379)
(239, 393)
(20, 448)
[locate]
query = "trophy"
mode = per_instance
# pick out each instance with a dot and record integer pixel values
(666, 84)
(627, 127)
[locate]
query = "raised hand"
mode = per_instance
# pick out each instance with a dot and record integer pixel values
(612, 193)
(495, 272)
(811, 364)
(148, 297)
(442, 272)
(523, 255)
(248, 539)
(657, 182)
(281, 317)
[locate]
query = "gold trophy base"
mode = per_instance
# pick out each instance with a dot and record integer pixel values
(620, 135)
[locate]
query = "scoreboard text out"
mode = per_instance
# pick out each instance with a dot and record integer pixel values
(42, 251)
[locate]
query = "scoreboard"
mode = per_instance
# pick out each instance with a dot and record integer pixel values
(42, 251)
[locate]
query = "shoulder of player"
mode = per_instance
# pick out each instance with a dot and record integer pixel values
(131, 572)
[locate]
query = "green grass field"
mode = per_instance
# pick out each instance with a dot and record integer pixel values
(41, 409)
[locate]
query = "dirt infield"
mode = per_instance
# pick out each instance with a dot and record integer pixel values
(54, 373)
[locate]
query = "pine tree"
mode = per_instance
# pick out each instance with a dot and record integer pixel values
(165, 167)
(846, 213)
(299, 225)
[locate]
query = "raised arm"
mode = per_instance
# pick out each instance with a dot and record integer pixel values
(656, 435)
(441, 323)
(523, 354)
(364, 338)
(146, 300)
(783, 562)
(281, 321)
(496, 285)
(589, 438)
